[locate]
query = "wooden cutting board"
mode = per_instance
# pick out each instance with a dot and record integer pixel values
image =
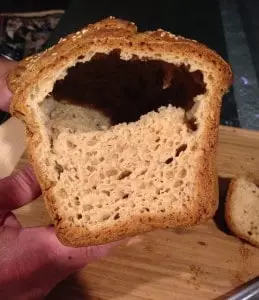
(201, 263)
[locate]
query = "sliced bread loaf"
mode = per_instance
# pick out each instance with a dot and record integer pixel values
(122, 130)
(242, 210)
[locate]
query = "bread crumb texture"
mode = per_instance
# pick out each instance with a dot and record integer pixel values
(242, 210)
(122, 129)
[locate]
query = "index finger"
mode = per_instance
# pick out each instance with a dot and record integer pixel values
(18, 189)
(6, 66)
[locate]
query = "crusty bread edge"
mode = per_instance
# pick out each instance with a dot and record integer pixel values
(207, 198)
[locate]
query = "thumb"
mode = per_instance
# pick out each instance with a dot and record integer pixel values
(50, 261)
(5, 95)
(67, 258)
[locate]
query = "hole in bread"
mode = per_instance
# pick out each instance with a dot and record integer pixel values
(180, 149)
(59, 169)
(169, 160)
(57, 219)
(87, 207)
(125, 196)
(210, 77)
(90, 168)
(106, 192)
(71, 145)
(124, 174)
(142, 172)
(178, 183)
(77, 201)
(124, 90)
(194, 146)
(249, 233)
(117, 216)
(79, 216)
(182, 173)
(191, 124)
(105, 217)
(55, 132)
(47, 162)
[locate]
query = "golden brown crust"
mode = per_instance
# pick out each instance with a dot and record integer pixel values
(107, 35)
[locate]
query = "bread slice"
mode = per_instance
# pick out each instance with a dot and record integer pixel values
(122, 130)
(242, 210)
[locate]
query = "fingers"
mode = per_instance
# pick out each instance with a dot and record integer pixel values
(18, 189)
(70, 259)
(9, 220)
(37, 259)
(6, 65)
(5, 95)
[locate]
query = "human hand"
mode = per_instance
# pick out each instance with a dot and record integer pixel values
(33, 261)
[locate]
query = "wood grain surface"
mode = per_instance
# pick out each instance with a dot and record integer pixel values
(204, 262)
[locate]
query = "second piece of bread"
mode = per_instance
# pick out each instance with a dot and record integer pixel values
(242, 210)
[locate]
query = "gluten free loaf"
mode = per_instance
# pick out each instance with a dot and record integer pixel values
(122, 130)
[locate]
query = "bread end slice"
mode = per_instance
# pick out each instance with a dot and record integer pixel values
(145, 160)
(242, 209)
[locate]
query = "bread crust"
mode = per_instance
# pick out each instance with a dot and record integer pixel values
(105, 36)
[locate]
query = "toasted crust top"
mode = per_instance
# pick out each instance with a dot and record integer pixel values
(108, 33)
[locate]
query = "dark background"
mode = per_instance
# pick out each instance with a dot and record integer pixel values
(32, 5)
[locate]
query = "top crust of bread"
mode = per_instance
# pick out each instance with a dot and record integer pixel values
(35, 75)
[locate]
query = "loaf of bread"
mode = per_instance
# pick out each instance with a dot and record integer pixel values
(242, 210)
(122, 130)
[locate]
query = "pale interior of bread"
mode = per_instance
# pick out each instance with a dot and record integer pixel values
(243, 210)
(122, 136)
